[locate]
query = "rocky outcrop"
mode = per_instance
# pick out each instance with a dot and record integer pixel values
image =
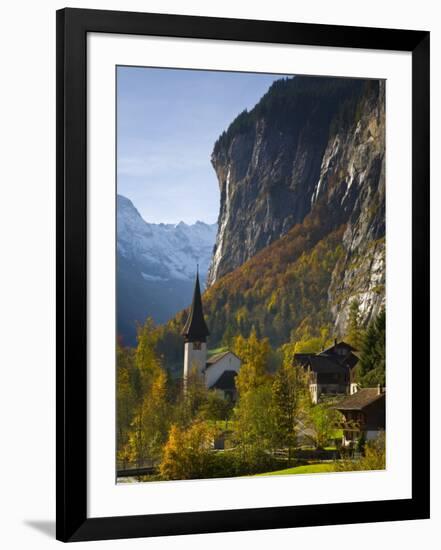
(361, 274)
(310, 141)
(358, 276)
(352, 179)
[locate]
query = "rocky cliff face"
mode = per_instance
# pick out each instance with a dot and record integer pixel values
(361, 273)
(310, 141)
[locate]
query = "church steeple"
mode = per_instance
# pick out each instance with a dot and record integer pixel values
(195, 329)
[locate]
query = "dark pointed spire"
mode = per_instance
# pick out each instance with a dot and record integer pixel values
(195, 329)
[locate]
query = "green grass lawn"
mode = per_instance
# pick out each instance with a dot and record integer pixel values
(307, 469)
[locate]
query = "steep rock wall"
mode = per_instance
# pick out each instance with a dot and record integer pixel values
(309, 142)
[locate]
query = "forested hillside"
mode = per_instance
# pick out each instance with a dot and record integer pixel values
(294, 252)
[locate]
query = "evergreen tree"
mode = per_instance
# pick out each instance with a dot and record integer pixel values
(288, 392)
(228, 336)
(355, 332)
(372, 369)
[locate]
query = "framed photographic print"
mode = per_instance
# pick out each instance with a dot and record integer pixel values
(239, 204)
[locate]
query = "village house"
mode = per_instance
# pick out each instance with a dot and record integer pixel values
(330, 371)
(218, 371)
(364, 415)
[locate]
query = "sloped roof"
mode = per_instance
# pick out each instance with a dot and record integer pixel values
(359, 400)
(349, 360)
(303, 358)
(226, 381)
(341, 344)
(321, 364)
(195, 328)
(215, 358)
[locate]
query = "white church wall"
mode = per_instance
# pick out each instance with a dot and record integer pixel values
(195, 356)
(214, 372)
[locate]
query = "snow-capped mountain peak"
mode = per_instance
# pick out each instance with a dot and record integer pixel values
(163, 251)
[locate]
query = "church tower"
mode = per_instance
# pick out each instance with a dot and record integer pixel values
(195, 333)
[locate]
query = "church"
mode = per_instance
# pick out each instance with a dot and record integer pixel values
(218, 371)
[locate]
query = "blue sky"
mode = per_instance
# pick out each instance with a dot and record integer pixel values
(168, 121)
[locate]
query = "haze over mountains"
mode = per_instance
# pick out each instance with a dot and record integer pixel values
(156, 266)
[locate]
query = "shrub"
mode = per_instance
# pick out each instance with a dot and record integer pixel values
(373, 459)
(187, 453)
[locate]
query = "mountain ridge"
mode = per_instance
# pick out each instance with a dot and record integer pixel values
(156, 264)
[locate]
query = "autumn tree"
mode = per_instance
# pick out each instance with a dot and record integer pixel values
(215, 407)
(323, 421)
(156, 414)
(313, 344)
(147, 360)
(254, 424)
(355, 331)
(289, 392)
(374, 457)
(254, 354)
(192, 399)
(128, 392)
(375, 454)
(187, 452)
(150, 415)
(149, 428)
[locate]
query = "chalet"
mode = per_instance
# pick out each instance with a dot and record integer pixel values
(218, 371)
(365, 414)
(330, 371)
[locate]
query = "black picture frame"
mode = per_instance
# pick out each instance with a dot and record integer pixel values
(71, 428)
